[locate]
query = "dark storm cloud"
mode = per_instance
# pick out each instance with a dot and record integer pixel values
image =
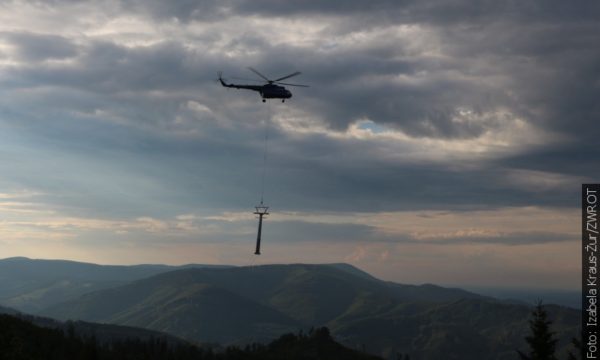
(538, 63)
(522, 44)
(39, 47)
(542, 50)
(574, 159)
(127, 107)
(528, 58)
(553, 69)
(107, 67)
(182, 10)
(372, 185)
(378, 12)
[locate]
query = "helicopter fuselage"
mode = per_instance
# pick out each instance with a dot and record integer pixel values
(267, 91)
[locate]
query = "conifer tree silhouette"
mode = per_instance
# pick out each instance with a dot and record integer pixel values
(542, 342)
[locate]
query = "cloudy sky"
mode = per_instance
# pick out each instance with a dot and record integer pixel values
(439, 141)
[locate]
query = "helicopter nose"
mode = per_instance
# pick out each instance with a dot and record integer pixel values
(288, 93)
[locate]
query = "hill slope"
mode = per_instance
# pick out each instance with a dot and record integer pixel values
(192, 310)
(103, 333)
(29, 285)
(309, 294)
(235, 304)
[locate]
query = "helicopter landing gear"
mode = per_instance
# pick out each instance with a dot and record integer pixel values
(282, 100)
(264, 100)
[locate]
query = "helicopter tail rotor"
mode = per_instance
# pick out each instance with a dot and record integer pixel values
(220, 79)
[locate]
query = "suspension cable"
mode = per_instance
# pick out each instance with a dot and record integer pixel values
(265, 151)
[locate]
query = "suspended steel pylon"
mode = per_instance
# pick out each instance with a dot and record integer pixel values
(261, 211)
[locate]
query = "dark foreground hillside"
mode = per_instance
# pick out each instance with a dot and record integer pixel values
(20, 339)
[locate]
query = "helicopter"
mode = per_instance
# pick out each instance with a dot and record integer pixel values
(269, 90)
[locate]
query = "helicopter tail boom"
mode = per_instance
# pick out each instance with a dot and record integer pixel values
(239, 86)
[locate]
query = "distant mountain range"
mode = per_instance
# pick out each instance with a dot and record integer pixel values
(30, 285)
(243, 304)
(569, 298)
(238, 305)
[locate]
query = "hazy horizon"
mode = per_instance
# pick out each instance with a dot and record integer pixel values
(483, 289)
(438, 142)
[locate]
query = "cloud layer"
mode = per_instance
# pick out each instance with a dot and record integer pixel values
(110, 113)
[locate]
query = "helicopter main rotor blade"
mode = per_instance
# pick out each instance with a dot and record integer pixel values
(258, 73)
(282, 83)
(245, 79)
(288, 76)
